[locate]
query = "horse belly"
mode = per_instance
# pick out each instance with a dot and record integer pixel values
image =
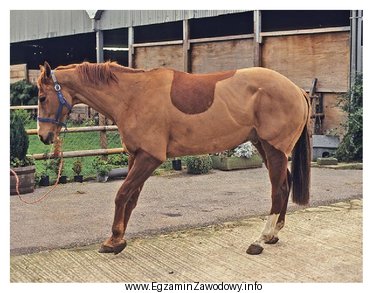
(205, 142)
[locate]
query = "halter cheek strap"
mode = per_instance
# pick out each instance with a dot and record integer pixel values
(61, 103)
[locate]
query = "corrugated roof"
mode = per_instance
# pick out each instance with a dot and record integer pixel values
(39, 24)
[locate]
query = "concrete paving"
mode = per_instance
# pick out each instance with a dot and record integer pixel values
(320, 244)
(191, 228)
(81, 214)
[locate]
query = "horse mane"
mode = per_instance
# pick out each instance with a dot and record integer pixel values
(99, 72)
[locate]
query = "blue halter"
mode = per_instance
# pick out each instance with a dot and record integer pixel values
(61, 103)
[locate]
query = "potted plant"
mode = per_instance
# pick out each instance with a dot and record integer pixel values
(176, 164)
(198, 164)
(77, 169)
(20, 163)
(55, 165)
(44, 174)
(102, 168)
(244, 156)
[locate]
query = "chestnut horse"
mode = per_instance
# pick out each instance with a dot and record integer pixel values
(164, 113)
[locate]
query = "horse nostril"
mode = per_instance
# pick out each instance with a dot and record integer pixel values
(48, 139)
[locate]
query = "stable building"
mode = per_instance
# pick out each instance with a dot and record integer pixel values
(319, 50)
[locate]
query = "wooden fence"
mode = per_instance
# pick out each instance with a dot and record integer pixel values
(82, 153)
(103, 151)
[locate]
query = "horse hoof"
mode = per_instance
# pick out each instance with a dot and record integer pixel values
(273, 240)
(118, 248)
(105, 248)
(254, 249)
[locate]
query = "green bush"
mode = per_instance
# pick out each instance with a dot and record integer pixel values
(118, 160)
(198, 164)
(351, 146)
(19, 141)
(23, 93)
(101, 166)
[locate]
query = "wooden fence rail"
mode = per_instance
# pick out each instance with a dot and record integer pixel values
(35, 107)
(84, 153)
(79, 153)
(81, 129)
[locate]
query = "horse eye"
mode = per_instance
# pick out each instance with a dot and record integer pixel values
(42, 99)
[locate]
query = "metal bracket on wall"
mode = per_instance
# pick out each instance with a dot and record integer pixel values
(317, 114)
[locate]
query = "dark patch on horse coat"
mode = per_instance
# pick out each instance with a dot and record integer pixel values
(194, 93)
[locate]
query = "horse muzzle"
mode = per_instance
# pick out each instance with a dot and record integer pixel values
(48, 139)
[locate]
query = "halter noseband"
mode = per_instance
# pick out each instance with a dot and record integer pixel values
(61, 103)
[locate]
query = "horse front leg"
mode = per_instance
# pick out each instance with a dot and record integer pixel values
(143, 166)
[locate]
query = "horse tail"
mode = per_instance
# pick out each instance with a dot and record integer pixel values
(301, 165)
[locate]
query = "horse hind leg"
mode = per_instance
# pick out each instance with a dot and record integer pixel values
(278, 173)
(287, 184)
(281, 219)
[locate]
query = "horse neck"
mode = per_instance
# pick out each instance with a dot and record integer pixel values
(100, 96)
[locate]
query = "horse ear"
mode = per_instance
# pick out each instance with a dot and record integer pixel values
(47, 70)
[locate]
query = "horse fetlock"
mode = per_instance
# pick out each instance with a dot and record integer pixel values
(280, 225)
(273, 240)
(111, 246)
(266, 237)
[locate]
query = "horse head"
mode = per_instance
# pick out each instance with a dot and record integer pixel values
(54, 105)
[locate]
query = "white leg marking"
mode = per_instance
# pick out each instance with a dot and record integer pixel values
(278, 227)
(270, 226)
(269, 230)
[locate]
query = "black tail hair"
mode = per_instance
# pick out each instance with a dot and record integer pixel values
(301, 168)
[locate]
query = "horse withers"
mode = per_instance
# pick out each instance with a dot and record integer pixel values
(164, 113)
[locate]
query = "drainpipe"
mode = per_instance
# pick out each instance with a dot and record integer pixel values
(257, 38)
(359, 55)
(99, 46)
(356, 58)
(95, 16)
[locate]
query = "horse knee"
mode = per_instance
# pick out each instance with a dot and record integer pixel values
(122, 197)
(132, 202)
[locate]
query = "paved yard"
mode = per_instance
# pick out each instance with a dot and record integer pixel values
(322, 244)
(191, 228)
(81, 214)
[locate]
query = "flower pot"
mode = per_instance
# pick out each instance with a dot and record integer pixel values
(236, 163)
(78, 178)
(63, 179)
(44, 181)
(176, 164)
(26, 177)
(102, 178)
